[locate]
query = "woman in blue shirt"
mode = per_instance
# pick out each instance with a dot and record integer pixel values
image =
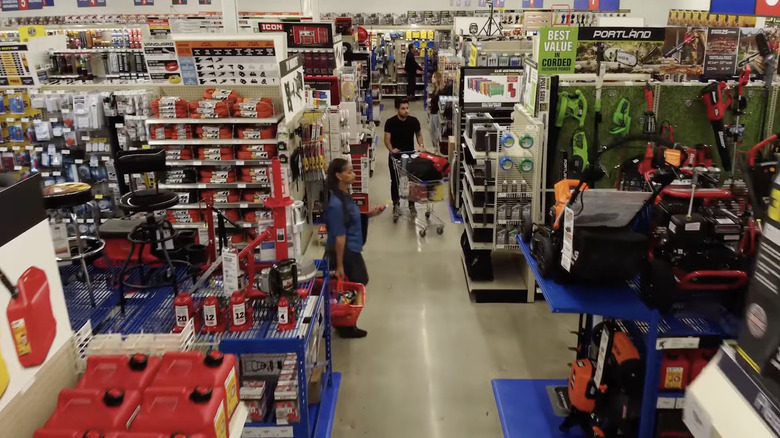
(346, 231)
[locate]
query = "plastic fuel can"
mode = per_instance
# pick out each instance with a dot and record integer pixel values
(119, 371)
(94, 409)
(191, 368)
(193, 410)
(30, 316)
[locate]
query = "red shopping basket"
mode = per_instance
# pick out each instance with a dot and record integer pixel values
(343, 314)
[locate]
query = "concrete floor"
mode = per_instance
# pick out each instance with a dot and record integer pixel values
(425, 368)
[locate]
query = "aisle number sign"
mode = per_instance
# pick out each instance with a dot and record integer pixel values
(597, 5)
(20, 5)
(762, 8)
(91, 3)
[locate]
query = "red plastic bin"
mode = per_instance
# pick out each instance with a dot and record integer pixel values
(191, 368)
(119, 371)
(346, 315)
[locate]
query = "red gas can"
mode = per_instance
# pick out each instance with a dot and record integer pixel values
(29, 314)
(126, 434)
(699, 360)
(675, 371)
(184, 309)
(59, 433)
(135, 372)
(94, 409)
(193, 368)
(193, 410)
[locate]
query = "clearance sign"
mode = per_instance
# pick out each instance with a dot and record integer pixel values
(765, 8)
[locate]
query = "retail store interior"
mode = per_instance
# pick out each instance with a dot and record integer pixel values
(476, 218)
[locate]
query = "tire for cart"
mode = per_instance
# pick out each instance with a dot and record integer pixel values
(440, 230)
(427, 215)
(545, 256)
(526, 225)
(422, 233)
(658, 285)
(395, 219)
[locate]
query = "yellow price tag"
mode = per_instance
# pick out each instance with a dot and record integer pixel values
(145, 146)
(774, 207)
(98, 196)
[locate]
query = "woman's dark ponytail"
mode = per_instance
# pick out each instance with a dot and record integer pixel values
(337, 165)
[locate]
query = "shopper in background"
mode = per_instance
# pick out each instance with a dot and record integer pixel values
(347, 232)
(400, 131)
(412, 67)
(440, 88)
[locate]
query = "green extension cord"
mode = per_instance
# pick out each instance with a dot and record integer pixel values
(621, 118)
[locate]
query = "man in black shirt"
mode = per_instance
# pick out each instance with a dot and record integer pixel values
(400, 131)
(412, 67)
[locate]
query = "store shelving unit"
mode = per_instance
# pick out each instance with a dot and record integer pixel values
(497, 190)
(651, 331)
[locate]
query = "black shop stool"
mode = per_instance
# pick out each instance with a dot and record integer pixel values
(155, 230)
(66, 197)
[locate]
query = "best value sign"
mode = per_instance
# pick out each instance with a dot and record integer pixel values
(557, 50)
(20, 5)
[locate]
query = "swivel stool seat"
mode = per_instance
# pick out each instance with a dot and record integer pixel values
(155, 230)
(66, 198)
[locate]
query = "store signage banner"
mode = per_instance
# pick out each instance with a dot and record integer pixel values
(178, 2)
(731, 7)
(144, 2)
(91, 3)
(16, 67)
(626, 50)
(291, 71)
(533, 3)
(303, 35)
(557, 50)
(20, 5)
(491, 86)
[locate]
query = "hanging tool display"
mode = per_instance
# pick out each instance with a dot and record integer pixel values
(717, 101)
(572, 105)
(621, 118)
(690, 38)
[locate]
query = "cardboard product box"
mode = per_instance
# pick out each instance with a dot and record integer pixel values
(759, 336)
(315, 386)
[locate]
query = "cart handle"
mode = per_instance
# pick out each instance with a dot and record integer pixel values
(754, 150)
(735, 280)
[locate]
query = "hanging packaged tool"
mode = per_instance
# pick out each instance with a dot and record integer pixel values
(30, 317)
(621, 118)
(571, 105)
(579, 153)
(716, 105)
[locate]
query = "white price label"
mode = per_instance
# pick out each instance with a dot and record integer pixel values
(665, 403)
(241, 185)
(201, 186)
(677, 343)
(197, 163)
(230, 271)
(239, 163)
(243, 206)
(65, 152)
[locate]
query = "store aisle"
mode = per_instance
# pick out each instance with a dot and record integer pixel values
(425, 368)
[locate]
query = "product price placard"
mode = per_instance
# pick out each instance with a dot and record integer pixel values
(21, 5)
(162, 62)
(291, 70)
(14, 68)
(491, 86)
(91, 3)
(720, 59)
(228, 62)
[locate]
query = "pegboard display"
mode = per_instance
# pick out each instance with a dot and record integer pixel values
(517, 176)
(679, 105)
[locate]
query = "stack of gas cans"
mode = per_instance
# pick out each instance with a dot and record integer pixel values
(182, 394)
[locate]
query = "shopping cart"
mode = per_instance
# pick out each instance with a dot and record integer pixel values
(413, 190)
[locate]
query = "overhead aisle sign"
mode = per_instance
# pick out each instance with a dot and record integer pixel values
(20, 5)
(596, 5)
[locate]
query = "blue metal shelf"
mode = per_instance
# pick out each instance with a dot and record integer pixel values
(525, 410)
(77, 301)
(612, 302)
